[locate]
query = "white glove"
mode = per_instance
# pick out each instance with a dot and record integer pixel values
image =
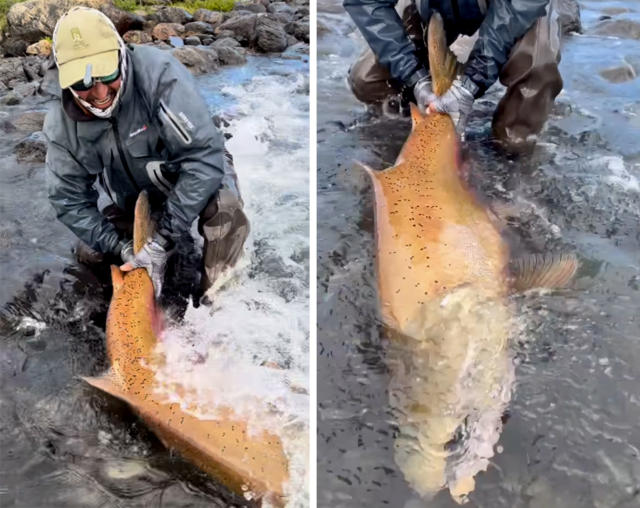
(423, 93)
(153, 256)
(457, 102)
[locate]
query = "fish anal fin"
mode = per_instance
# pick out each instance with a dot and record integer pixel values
(416, 115)
(549, 271)
(107, 383)
(117, 278)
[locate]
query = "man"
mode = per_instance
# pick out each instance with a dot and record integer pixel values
(518, 41)
(131, 118)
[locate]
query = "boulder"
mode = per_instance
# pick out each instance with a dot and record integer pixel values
(23, 90)
(619, 74)
(299, 29)
(33, 148)
(270, 35)
(212, 17)
(162, 31)
(282, 17)
(10, 99)
(230, 55)
(280, 7)
(301, 12)
(569, 16)
(207, 40)
(33, 67)
(622, 28)
(257, 8)
(227, 42)
(42, 48)
(12, 70)
(12, 47)
(176, 42)
(198, 60)
(29, 122)
(137, 37)
(199, 27)
(172, 15)
(192, 40)
(242, 27)
(35, 19)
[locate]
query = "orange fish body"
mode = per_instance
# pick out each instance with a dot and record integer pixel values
(442, 283)
(224, 448)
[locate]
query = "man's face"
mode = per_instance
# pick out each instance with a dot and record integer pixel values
(100, 95)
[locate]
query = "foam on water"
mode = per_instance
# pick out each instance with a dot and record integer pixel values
(249, 351)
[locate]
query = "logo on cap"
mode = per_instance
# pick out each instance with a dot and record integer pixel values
(77, 39)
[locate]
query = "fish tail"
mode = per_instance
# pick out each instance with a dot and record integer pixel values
(443, 64)
(142, 225)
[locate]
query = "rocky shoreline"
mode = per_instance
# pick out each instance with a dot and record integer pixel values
(203, 41)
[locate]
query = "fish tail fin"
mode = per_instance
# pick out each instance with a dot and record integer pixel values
(142, 225)
(544, 271)
(443, 64)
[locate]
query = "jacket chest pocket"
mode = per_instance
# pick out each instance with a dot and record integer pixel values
(148, 156)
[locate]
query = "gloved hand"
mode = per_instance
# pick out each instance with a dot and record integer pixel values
(153, 256)
(126, 250)
(457, 102)
(423, 93)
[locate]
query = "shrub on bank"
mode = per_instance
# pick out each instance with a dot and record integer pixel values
(188, 5)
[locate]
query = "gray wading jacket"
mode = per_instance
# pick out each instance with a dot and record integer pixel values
(501, 24)
(160, 138)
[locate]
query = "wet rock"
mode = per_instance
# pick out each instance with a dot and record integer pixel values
(299, 29)
(291, 40)
(301, 12)
(226, 34)
(11, 69)
(226, 42)
(206, 41)
(29, 122)
(33, 67)
(162, 31)
(211, 17)
(42, 48)
(280, 7)
(122, 20)
(270, 35)
(172, 15)
(11, 99)
(569, 16)
(619, 74)
(33, 148)
(176, 42)
(137, 37)
(230, 55)
(192, 40)
(198, 60)
(242, 27)
(282, 17)
(12, 47)
(255, 7)
(23, 90)
(623, 28)
(199, 27)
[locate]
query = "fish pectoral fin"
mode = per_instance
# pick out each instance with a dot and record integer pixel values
(416, 115)
(117, 278)
(361, 166)
(552, 270)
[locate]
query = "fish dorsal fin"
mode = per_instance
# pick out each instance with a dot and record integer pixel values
(544, 271)
(443, 64)
(416, 116)
(117, 278)
(142, 226)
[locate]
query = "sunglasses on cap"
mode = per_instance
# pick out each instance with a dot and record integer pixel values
(80, 86)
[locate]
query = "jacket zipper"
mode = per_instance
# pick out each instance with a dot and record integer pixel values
(125, 164)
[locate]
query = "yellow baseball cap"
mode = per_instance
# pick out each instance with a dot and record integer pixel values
(85, 42)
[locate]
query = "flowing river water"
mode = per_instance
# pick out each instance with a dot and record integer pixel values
(64, 444)
(570, 436)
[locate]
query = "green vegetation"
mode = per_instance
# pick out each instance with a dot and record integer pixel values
(212, 5)
(4, 9)
(188, 5)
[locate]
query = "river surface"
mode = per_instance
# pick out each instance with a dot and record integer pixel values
(571, 436)
(64, 444)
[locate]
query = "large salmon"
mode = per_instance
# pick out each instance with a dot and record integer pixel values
(224, 448)
(443, 283)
